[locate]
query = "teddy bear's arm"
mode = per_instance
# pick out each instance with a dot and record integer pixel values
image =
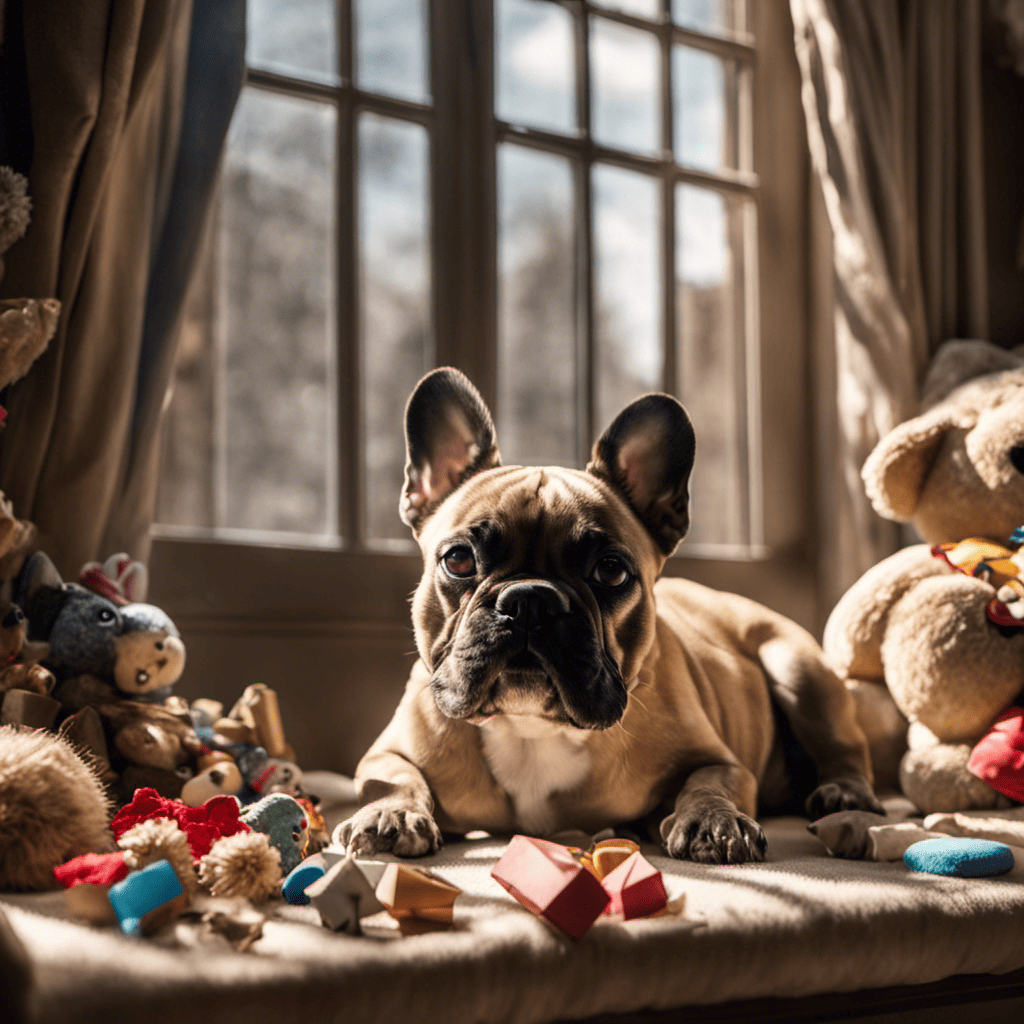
(855, 629)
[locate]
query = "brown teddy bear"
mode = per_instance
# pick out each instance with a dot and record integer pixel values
(26, 325)
(935, 622)
(20, 657)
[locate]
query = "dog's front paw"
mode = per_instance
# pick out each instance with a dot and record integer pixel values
(388, 828)
(842, 795)
(713, 834)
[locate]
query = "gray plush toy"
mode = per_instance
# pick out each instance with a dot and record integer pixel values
(120, 658)
(133, 646)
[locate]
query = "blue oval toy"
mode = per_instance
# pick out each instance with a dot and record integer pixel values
(293, 888)
(962, 857)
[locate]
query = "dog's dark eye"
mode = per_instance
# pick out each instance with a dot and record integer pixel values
(1017, 457)
(459, 562)
(611, 571)
(105, 616)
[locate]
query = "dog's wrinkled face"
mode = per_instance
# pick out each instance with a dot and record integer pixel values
(537, 593)
(536, 598)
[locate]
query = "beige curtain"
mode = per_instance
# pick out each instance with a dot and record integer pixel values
(892, 98)
(105, 82)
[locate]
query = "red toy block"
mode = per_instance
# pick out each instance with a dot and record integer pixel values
(636, 888)
(550, 882)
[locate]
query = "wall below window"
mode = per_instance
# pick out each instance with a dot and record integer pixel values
(337, 687)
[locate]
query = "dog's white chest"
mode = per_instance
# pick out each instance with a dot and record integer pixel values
(532, 760)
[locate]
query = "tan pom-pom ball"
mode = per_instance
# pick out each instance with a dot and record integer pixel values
(160, 839)
(244, 865)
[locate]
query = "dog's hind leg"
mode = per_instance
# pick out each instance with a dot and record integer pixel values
(822, 717)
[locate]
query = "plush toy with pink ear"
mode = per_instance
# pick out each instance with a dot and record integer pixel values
(937, 627)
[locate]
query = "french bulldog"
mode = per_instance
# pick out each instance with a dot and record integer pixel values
(560, 684)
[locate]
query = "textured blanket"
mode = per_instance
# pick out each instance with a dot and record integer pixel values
(802, 923)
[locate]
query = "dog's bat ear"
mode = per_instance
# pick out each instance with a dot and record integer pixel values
(647, 455)
(449, 436)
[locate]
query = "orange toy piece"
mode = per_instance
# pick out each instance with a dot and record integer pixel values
(418, 899)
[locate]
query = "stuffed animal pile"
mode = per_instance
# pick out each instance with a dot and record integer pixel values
(932, 638)
(114, 660)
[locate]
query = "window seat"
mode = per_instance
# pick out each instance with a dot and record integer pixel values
(782, 940)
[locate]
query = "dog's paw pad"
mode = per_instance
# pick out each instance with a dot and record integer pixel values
(717, 836)
(386, 829)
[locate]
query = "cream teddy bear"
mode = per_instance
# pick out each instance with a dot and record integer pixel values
(935, 622)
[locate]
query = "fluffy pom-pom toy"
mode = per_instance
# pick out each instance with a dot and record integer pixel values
(243, 865)
(160, 839)
(52, 808)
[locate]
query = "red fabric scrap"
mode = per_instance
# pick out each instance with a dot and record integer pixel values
(998, 758)
(92, 869)
(203, 825)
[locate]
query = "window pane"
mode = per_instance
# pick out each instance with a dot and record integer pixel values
(626, 71)
(256, 385)
(394, 302)
(537, 392)
(716, 17)
(293, 37)
(627, 289)
(391, 48)
(641, 8)
(706, 112)
(711, 344)
(535, 66)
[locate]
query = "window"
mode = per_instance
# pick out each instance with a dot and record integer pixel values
(575, 202)
(620, 227)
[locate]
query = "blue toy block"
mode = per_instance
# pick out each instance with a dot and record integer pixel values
(142, 892)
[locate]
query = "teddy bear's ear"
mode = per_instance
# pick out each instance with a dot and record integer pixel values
(895, 470)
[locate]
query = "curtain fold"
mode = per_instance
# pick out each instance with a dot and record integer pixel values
(892, 98)
(114, 89)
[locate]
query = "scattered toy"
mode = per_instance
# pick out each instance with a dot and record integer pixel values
(965, 858)
(242, 865)
(293, 888)
(417, 899)
(52, 808)
(344, 896)
(636, 888)
(160, 839)
(546, 879)
(203, 826)
(148, 899)
(282, 818)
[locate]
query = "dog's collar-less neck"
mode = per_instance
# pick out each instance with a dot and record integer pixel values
(532, 760)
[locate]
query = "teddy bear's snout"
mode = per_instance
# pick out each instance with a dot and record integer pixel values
(148, 660)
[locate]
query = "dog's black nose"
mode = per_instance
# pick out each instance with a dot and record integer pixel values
(527, 601)
(15, 617)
